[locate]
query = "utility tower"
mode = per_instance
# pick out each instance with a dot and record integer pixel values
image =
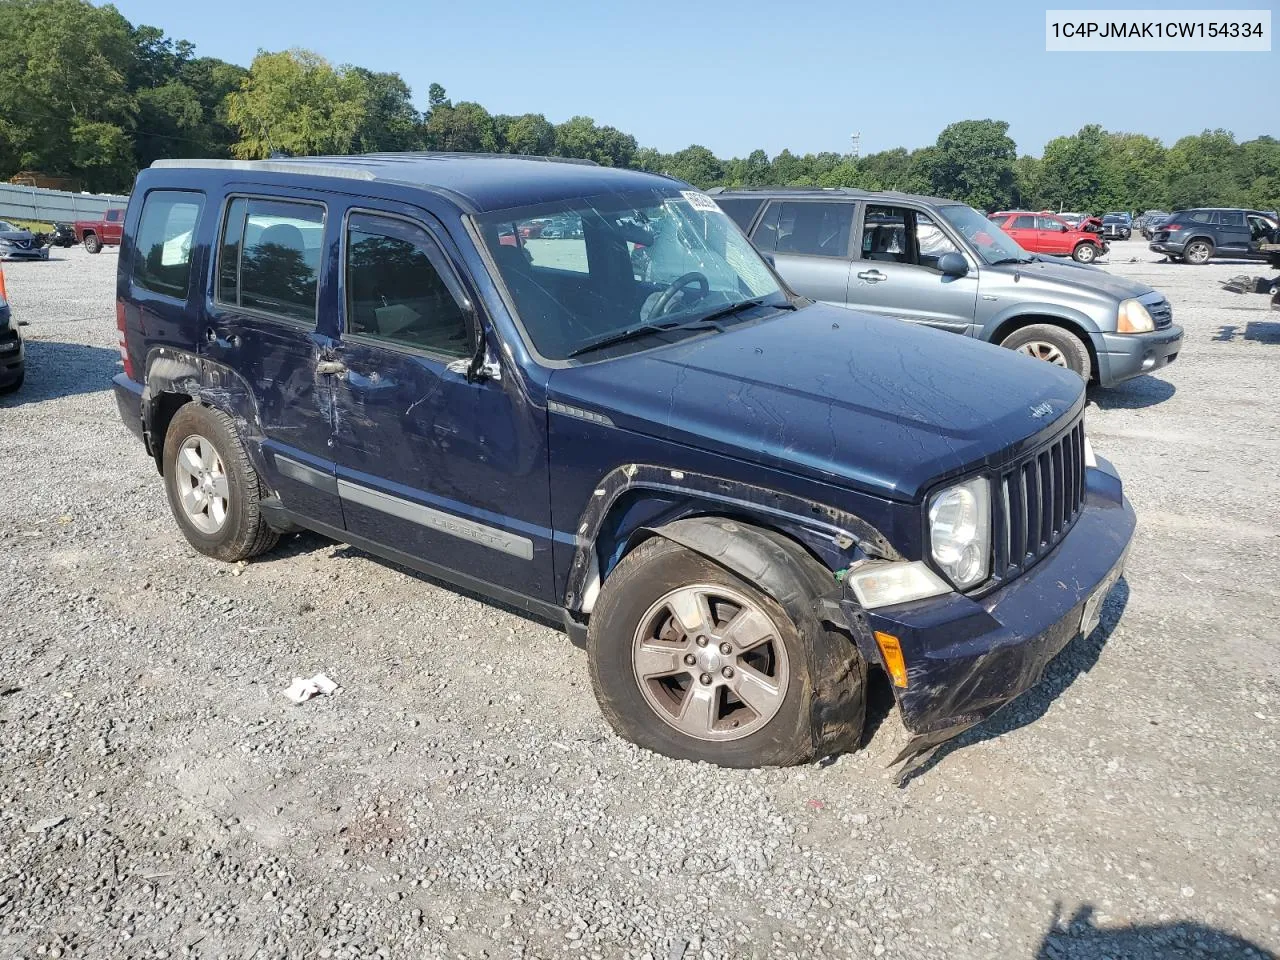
(856, 140)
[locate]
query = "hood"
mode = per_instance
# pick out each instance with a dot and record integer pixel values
(842, 397)
(1085, 281)
(16, 236)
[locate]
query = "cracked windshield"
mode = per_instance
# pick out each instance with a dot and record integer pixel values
(590, 274)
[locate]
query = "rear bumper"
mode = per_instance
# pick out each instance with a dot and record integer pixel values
(128, 395)
(1123, 356)
(1169, 248)
(966, 658)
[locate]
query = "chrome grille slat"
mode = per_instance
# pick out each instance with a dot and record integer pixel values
(1040, 499)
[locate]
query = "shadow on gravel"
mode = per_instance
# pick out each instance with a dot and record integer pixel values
(1079, 939)
(306, 542)
(1076, 658)
(1259, 331)
(1133, 394)
(56, 369)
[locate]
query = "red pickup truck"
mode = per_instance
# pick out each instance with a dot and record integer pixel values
(96, 234)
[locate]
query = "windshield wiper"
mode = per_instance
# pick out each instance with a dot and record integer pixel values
(996, 263)
(707, 321)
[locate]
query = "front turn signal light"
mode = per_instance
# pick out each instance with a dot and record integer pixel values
(891, 651)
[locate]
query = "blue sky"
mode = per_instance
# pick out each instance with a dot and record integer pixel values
(738, 75)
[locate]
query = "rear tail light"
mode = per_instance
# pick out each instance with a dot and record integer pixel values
(1171, 227)
(124, 347)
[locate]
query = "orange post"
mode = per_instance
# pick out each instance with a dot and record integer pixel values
(4, 294)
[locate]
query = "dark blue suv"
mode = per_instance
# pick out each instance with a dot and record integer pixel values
(736, 498)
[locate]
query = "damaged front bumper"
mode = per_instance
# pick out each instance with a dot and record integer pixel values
(968, 657)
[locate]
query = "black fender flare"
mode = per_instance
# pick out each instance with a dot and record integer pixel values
(844, 531)
(782, 569)
(174, 371)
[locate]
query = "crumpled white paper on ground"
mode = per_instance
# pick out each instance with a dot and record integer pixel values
(300, 691)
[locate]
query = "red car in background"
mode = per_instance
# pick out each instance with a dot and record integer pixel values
(1046, 233)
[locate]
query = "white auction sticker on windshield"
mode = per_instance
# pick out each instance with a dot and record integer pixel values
(700, 201)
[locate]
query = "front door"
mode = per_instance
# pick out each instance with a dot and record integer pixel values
(809, 241)
(262, 323)
(448, 469)
(897, 272)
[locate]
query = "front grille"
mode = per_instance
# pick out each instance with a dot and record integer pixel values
(1038, 500)
(1161, 312)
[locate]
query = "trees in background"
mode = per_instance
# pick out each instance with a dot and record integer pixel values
(87, 95)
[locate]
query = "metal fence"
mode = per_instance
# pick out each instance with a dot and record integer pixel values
(46, 206)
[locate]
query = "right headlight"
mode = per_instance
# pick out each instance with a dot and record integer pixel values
(960, 531)
(1134, 318)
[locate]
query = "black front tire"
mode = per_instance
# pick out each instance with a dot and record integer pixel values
(1033, 341)
(1085, 252)
(16, 385)
(92, 244)
(245, 532)
(820, 664)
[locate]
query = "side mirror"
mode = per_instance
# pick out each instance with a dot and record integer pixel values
(1063, 228)
(953, 264)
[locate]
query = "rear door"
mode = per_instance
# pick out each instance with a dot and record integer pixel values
(112, 226)
(444, 468)
(1233, 232)
(1022, 228)
(262, 321)
(897, 272)
(810, 242)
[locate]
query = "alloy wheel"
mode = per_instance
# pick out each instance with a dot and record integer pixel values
(202, 484)
(1043, 350)
(710, 663)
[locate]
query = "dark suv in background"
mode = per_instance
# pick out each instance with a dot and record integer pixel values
(1196, 236)
(942, 264)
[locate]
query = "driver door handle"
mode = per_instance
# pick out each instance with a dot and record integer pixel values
(872, 276)
(331, 368)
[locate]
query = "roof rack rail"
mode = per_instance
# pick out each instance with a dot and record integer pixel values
(461, 155)
(290, 165)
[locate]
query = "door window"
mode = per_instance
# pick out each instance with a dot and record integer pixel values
(1049, 223)
(1231, 218)
(1024, 222)
(162, 251)
(1201, 216)
(903, 235)
(395, 293)
(741, 210)
(809, 228)
(269, 258)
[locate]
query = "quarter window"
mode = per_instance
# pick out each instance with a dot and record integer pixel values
(162, 250)
(269, 258)
(394, 290)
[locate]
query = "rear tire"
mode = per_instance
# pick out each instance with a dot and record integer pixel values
(1044, 341)
(16, 385)
(1197, 252)
(1085, 252)
(92, 243)
(214, 492)
(769, 651)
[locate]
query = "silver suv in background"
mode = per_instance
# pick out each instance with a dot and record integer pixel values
(943, 264)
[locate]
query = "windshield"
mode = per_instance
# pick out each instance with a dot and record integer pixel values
(991, 243)
(582, 270)
(7, 227)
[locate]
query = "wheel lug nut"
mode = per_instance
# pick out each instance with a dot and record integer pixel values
(701, 641)
(727, 673)
(726, 649)
(690, 659)
(705, 678)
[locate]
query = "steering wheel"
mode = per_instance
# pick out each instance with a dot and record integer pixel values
(660, 305)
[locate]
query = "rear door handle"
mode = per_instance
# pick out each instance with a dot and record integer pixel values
(872, 276)
(331, 368)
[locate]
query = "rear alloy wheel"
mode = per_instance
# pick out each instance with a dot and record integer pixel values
(1197, 252)
(214, 492)
(689, 660)
(1085, 252)
(1044, 341)
(92, 243)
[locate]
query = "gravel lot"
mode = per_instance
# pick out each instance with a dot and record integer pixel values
(461, 796)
